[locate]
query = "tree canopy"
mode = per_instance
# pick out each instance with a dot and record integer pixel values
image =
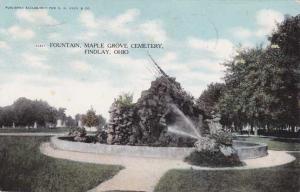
(210, 97)
(25, 112)
(91, 119)
(262, 84)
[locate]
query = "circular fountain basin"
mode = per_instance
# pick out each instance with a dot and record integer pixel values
(250, 150)
(245, 150)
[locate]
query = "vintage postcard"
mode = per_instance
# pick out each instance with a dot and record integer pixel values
(150, 96)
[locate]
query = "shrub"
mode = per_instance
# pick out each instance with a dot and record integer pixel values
(222, 138)
(78, 133)
(213, 159)
(279, 133)
(206, 144)
(101, 136)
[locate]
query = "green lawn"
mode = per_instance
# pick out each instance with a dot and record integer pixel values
(24, 168)
(44, 130)
(277, 144)
(285, 178)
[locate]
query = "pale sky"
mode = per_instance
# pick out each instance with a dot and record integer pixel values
(197, 36)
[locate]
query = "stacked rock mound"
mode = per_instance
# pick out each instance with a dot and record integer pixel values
(145, 122)
(121, 125)
(155, 112)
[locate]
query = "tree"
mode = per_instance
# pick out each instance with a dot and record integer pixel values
(102, 121)
(43, 112)
(70, 122)
(287, 38)
(209, 98)
(7, 116)
(262, 84)
(90, 119)
(61, 114)
(279, 84)
(25, 112)
(237, 106)
(124, 100)
(78, 117)
(28, 112)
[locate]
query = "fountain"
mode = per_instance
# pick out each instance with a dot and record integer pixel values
(182, 125)
(176, 130)
(218, 140)
(163, 123)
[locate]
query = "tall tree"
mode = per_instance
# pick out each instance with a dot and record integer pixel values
(61, 114)
(101, 121)
(237, 104)
(90, 119)
(287, 38)
(209, 98)
(262, 85)
(25, 112)
(70, 121)
(7, 116)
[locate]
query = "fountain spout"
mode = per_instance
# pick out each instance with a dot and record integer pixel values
(182, 125)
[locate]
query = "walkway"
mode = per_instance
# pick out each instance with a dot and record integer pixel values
(142, 174)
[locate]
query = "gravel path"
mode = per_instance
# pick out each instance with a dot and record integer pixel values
(142, 174)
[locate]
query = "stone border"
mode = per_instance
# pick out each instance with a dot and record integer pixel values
(246, 151)
(270, 137)
(122, 150)
(250, 150)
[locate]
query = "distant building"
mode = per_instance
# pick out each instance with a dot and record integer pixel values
(35, 125)
(60, 123)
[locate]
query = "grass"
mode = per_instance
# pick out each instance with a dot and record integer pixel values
(277, 179)
(24, 168)
(276, 144)
(38, 130)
